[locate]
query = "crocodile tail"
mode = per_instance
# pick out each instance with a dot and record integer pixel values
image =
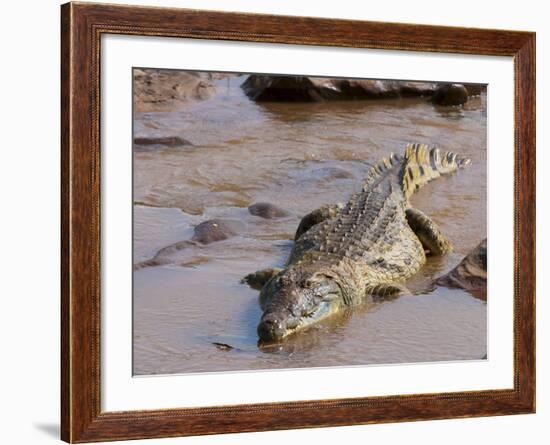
(423, 164)
(383, 167)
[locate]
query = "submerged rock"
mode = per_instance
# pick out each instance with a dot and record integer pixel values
(167, 90)
(167, 141)
(316, 89)
(267, 210)
(216, 230)
(470, 274)
(205, 233)
(450, 94)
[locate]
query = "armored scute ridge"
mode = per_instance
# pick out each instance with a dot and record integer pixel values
(344, 254)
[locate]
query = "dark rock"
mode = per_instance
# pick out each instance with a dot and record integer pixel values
(365, 88)
(417, 89)
(167, 141)
(216, 230)
(283, 89)
(470, 274)
(267, 210)
(267, 88)
(381, 89)
(450, 94)
(315, 89)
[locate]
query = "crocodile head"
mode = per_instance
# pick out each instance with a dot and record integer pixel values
(296, 299)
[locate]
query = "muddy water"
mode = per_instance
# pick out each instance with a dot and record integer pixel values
(297, 156)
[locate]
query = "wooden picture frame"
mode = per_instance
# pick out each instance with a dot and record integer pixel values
(82, 26)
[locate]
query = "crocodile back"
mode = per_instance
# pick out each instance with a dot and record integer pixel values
(370, 237)
(367, 224)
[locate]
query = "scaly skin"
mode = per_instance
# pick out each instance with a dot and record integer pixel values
(345, 254)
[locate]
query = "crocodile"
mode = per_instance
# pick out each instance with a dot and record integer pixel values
(348, 254)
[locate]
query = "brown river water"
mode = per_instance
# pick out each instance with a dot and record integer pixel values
(298, 156)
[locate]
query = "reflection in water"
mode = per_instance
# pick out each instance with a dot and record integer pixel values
(298, 157)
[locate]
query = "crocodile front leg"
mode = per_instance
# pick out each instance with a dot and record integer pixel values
(258, 279)
(319, 215)
(428, 232)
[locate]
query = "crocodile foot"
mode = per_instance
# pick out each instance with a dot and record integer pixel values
(258, 279)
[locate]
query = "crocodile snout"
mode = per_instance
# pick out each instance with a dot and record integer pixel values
(271, 327)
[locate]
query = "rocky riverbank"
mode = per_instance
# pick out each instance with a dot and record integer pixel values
(268, 88)
(168, 90)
